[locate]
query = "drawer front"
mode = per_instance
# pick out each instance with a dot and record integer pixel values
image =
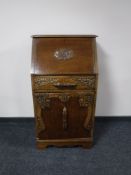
(64, 82)
(64, 115)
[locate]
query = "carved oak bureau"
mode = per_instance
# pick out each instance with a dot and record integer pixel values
(64, 85)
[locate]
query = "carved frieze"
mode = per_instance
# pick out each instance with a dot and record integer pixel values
(63, 97)
(80, 81)
(43, 99)
(43, 80)
(87, 81)
(86, 100)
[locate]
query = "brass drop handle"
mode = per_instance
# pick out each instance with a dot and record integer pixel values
(65, 85)
(64, 118)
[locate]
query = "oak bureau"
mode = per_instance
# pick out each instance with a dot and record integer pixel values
(64, 85)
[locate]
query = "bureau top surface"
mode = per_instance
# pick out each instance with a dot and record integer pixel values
(63, 54)
(66, 36)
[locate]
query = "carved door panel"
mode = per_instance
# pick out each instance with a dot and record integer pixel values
(64, 115)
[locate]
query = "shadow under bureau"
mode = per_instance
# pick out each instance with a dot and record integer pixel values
(64, 85)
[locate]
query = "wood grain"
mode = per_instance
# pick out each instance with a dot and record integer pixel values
(64, 91)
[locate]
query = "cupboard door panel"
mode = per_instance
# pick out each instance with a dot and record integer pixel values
(64, 115)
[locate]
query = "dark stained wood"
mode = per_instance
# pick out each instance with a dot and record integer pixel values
(83, 61)
(78, 117)
(64, 91)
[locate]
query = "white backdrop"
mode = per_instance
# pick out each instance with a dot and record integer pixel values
(109, 19)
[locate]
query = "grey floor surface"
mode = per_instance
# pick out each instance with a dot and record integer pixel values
(111, 154)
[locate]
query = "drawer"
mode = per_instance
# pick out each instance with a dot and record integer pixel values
(64, 82)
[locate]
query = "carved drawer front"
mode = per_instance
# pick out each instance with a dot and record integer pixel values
(64, 115)
(64, 82)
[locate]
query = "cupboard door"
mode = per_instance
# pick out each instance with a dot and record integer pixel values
(64, 115)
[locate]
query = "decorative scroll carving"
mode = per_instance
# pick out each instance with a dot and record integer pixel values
(63, 53)
(87, 81)
(64, 97)
(86, 100)
(44, 102)
(41, 80)
(43, 99)
(40, 122)
(88, 119)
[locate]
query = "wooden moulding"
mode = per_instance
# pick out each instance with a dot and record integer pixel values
(64, 36)
(83, 142)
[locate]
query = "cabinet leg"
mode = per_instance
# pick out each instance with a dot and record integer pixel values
(87, 145)
(41, 145)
